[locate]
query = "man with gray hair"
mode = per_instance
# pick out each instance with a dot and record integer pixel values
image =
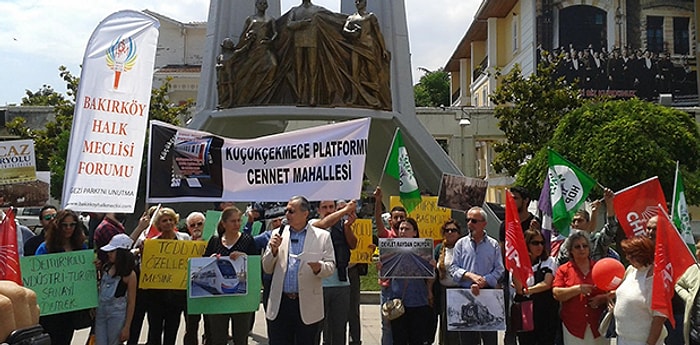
(477, 264)
(195, 225)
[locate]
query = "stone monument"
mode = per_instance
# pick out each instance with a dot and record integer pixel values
(265, 71)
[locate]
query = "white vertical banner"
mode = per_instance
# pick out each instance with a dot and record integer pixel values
(111, 112)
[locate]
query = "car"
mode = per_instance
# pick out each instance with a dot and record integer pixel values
(28, 216)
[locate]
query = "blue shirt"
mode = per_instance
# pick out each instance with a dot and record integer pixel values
(43, 250)
(483, 258)
(296, 246)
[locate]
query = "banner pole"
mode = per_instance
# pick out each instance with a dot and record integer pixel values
(386, 160)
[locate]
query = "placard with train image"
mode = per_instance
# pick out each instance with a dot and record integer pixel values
(466, 312)
(406, 258)
(209, 277)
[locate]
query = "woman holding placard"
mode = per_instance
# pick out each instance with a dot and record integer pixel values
(233, 243)
(65, 233)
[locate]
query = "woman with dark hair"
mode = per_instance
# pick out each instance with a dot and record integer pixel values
(581, 302)
(413, 327)
(65, 233)
(635, 322)
(233, 243)
(451, 232)
(539, 291)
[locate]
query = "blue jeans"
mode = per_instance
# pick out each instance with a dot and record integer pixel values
(109, 321)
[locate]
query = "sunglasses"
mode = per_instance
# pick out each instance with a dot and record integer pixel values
(196, 224)
(474, 220)
(69, 225)
(537, 243)
(289, 210)
(449, 230)
(48, 216)
(581, 246)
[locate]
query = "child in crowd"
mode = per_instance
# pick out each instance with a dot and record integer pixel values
(117, 293)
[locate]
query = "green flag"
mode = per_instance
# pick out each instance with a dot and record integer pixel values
(569, 187)
(399, 167)
(679, 211)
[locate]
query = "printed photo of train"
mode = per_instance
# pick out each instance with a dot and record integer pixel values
(218, 277)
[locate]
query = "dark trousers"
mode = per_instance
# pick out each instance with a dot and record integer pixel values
(413, 326)
(59, 328)
(288, 328)
(137, 320)
(165, 308)
(354, 311)
(476, 338)
(219, 326)
(191, 329)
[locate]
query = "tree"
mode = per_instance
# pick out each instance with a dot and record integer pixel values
(528, 110)
(620, 143)
(51, 143)
(433, 89)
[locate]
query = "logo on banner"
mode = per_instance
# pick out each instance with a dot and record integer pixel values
(121, 57)
(638, 222)
(562, 177)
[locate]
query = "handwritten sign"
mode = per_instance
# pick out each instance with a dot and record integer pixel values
(429, 216)
(62, 282)
(362, 228)
(230, 304)
(164, 263)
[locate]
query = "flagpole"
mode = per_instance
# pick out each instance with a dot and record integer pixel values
(675, 185)
(386, 160)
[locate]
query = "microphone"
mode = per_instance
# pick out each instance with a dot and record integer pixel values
(283, 226)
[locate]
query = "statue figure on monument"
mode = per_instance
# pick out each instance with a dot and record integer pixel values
(369, 59)
(224, 82)
(254, 64)
(301, 22)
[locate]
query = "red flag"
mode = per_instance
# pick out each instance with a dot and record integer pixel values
(517, 256)
(634, 205)
(671, 259)
(9, 255)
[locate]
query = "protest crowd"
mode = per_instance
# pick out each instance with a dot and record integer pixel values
(314, 300)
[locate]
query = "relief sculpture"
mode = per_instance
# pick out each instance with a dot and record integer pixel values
(309, 57)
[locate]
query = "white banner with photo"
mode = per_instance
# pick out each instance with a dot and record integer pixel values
(406, 258)
(467, 312)
(320, 163)
(17, 161)
(111, 112)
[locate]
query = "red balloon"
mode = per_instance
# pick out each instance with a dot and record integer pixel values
(608, 274)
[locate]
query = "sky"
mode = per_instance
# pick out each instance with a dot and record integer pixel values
(38, 36)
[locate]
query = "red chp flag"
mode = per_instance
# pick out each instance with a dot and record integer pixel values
(9, 253)
(517, 257)
(635, 204)
(671, 259)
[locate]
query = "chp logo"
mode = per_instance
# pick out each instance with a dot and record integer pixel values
(121, 57)
(565, 185)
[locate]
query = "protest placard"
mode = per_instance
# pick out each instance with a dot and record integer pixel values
(229, 304)
(406, 258)
(17, 161)
(429, 216)
(467, 312)
(217, 276)
(164, 263)
(62, 282)
(362, 228)
(461, 193)
(211, 220)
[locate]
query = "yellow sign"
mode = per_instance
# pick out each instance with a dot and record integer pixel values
(17, 161)
(429, 216)
(164, 263)
(362, 254)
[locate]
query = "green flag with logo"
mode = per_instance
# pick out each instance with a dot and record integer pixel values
(569, 187)
(399, 167)
(679, 211)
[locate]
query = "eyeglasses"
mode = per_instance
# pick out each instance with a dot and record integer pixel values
(581, 246)
(289, 210)
(449, 230)
(196, 224)
(69, 225)
(49, 216)
(474, 220)
(651, 228)
(537, 243)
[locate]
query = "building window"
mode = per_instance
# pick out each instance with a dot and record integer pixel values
(655, 34)
(681, 36)
(444, 144)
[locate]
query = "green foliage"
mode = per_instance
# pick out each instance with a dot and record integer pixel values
(528, 111)
(433, 89)
(51, 144)
(620, 143)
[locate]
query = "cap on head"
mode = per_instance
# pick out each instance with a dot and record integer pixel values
(122, 241)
